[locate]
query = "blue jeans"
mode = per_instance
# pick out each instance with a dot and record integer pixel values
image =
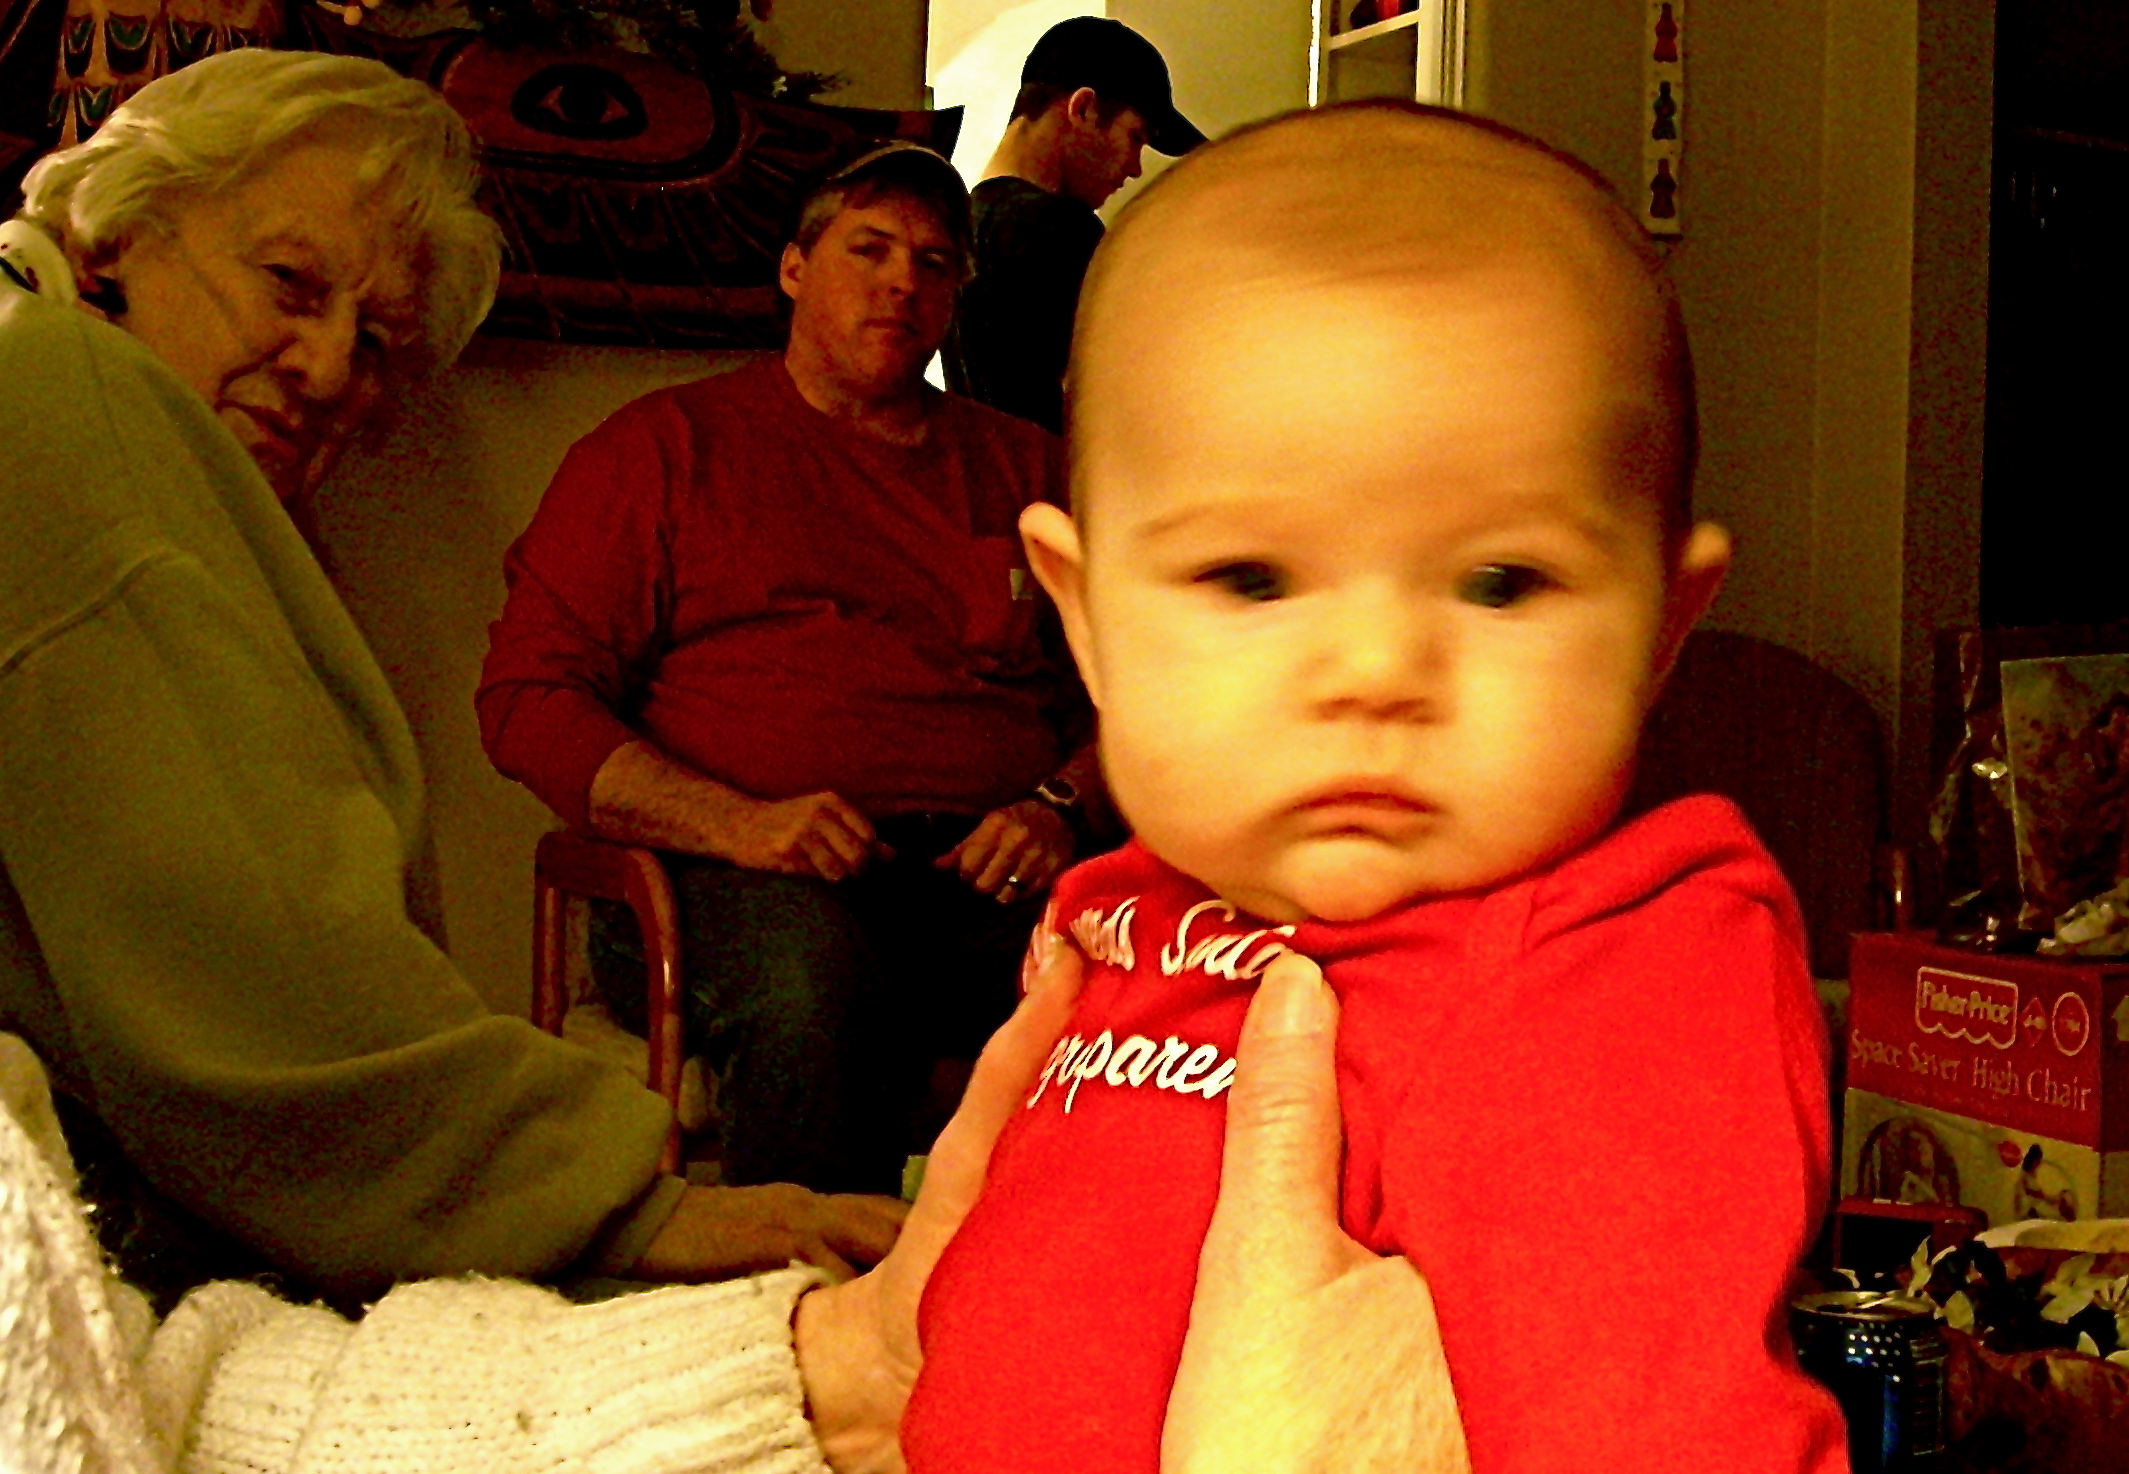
(823, 1007)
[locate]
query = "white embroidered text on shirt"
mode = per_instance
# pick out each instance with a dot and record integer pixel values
(1170, 1065)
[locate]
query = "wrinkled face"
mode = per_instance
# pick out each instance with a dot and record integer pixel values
(1098, 159)
(284, 302)
(1365, 607)
(873, 299)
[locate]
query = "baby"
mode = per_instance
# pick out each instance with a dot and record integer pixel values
(1381, 548)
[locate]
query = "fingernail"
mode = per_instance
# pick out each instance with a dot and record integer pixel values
(1042, 951)
(1301, 1001)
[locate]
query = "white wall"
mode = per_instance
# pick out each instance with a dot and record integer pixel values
(1232, 62)
(876, 45)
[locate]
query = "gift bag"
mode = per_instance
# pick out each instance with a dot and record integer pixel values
(2009, 857)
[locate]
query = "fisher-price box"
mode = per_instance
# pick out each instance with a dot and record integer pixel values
(1998, 1082)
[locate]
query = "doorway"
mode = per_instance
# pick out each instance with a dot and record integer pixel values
(2055, 478)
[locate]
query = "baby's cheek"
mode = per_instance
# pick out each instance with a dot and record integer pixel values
(1181, 799)
(1155, 785)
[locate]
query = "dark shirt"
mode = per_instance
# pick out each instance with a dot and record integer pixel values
(1013, 333)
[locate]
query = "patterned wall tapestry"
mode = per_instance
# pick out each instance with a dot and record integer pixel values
(639, 204)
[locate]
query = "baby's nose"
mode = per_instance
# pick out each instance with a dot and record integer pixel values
(1383, 656)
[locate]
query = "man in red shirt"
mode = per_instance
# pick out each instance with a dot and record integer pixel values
(778, 623)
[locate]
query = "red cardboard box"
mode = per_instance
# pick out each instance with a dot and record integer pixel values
(1997, 1082)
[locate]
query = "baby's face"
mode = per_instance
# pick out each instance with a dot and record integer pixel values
(1367, 602)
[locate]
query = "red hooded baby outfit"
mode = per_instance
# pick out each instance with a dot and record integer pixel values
(1589, 1105)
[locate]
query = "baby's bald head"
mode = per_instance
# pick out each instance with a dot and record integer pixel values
(1382, 423)
(1383, 210)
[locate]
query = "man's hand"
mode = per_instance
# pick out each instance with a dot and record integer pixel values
(820, 834)
(1306, 1351)
(720, 1232)
(641, 796)
(1014, 852)
(857, 1343)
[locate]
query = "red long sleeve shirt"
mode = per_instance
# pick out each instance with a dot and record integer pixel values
(1590, 1106)
(786, 605)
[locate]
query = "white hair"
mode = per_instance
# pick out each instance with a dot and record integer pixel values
(211, 125)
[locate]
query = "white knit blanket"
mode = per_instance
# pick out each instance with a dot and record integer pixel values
(441, 1376)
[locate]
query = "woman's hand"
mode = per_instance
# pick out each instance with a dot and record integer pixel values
(718, 1232)
(1306, 1351)
(857, 1342)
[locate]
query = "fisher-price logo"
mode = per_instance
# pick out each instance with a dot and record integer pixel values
(1979, 1010)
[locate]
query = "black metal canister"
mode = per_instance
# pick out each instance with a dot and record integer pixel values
(1882, 1357)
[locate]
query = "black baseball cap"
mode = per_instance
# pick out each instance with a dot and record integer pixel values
(1122, 67)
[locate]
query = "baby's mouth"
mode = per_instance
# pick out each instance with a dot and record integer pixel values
(1388, 811)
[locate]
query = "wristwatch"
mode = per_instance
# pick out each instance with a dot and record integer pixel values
(1062, 794)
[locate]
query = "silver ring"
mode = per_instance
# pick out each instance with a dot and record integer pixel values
(1015, 880)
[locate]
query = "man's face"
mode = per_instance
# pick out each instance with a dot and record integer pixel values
(1364, 607)
(1098, 158)
(284, 302)
(874, 297)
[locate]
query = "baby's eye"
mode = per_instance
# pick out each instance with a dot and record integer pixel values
(1499, 585)
(1260, 583)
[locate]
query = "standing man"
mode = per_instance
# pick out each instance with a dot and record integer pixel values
(778, 624)
(1093, 95)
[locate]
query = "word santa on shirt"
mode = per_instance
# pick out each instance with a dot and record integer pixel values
(1172, 1064)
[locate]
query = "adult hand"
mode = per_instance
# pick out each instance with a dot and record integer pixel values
(818, 834)
(720, 1232)
(1306, 1351)
(1014, 852)
(857, 1342)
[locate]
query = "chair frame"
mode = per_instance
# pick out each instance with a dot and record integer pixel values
(571, 864)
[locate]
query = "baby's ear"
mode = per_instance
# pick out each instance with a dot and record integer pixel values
(1696, 578)
(1052, 542)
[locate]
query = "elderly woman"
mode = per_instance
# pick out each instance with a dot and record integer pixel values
(208, 796)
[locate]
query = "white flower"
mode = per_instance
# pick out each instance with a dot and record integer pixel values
(2070, 1289)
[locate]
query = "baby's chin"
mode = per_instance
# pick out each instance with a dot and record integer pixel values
(1340, 880)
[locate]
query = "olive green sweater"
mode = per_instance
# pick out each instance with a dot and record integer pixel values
(208, 800)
